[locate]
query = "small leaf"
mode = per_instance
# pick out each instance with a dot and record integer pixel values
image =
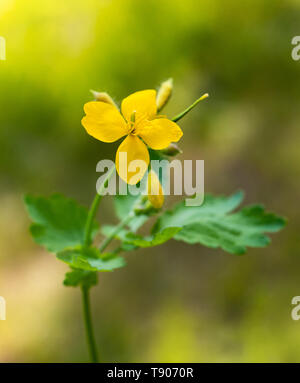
(81, 278)
(131, 241)
(89, 258)
(58, 222)
(214, 225)
(153, 240)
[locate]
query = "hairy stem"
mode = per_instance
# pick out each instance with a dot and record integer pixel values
(119, 227)
(94, 208)
(182, 114)
(84, 289)
(121, 224)
(88, 324)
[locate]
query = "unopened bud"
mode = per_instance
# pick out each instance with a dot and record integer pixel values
(104, 97)
(155, 191)
(172, 150)
(164, 93)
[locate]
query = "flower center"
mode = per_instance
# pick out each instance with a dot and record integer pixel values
(135, 121)
(132, 129)
(131, 124)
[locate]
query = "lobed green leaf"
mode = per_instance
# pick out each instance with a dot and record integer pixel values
(58, 222)
(214, 224)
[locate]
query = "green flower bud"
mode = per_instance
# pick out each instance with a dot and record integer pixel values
(164, 93)
(104, 97)
(172, 150)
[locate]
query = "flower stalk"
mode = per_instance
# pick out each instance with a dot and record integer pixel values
(182, 114)
(117, 229)
(88, 324)
(94, 208)
(84, 289)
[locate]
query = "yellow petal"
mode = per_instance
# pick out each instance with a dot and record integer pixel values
(142, 104)
(155, 191)
(103, 121)
(132, 149)
(159, 133)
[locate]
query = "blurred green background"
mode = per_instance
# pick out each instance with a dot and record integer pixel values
(177, 303)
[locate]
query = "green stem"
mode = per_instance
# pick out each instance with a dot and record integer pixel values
(121, 224)
(182, 114)
(85, 290)
(88, 324)
(94, 208)
(119, 227)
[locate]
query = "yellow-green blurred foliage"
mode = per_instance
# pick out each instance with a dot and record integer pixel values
(177, 303)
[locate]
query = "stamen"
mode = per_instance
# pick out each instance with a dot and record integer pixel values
(132, 118)
(132, 122)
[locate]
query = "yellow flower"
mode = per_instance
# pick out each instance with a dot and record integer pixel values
(155, 190)
(139, 122)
